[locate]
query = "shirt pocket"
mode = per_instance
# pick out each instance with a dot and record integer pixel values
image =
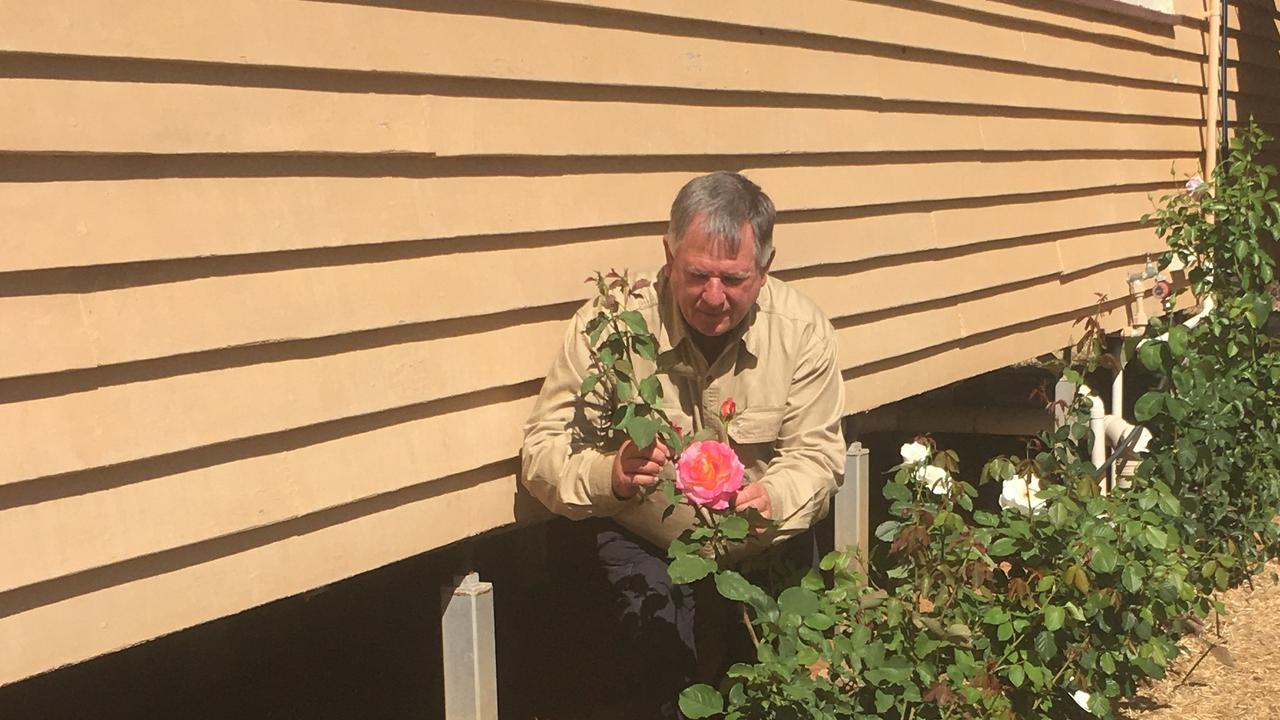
(757, 425)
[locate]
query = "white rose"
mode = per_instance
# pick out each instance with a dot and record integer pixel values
(1082, 699)
(1021, 494)
(938, 480)
(914, 453)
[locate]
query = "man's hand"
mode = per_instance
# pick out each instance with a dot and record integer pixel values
(635, 468)
(754, 496)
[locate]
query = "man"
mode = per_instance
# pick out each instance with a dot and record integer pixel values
(725, 330)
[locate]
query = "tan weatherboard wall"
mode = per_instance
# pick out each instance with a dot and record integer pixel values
(279, 278)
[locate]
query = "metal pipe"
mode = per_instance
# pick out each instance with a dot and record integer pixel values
(1224, 114)
(1211, 144)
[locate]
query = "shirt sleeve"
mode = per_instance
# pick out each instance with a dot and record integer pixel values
(561, 460)
(809, 466)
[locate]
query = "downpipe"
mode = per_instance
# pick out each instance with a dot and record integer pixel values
(1112, 430)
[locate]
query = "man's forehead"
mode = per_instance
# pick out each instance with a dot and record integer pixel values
(710, 251)
(719, 269)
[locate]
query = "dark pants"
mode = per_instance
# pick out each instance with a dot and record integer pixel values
(677, 635)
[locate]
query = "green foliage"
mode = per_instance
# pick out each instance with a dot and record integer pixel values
(622, 347)
(1214, 421)
(980, 614)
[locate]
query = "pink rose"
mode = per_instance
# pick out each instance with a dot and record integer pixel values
(1193, 185)
(728, 408)
(709, 473)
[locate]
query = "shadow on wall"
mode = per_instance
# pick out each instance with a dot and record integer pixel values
(1257, 69)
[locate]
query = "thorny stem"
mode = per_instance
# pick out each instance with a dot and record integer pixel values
(717, 542)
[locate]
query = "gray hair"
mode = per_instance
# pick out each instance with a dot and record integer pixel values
(723, 201)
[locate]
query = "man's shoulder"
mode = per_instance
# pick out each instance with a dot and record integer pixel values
(786, 303)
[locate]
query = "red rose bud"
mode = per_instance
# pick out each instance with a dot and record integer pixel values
(728, 408)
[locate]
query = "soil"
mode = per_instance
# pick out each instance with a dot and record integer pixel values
(1239, 681)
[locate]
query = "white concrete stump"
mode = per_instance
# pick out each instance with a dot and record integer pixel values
(1064, 393)
(470, 667)
(852, 503)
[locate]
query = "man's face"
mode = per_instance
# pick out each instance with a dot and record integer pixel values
(713, 288)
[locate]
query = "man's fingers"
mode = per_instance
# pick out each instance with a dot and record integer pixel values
(640, 466)
(633, 467)
(657, 453)
(754, 496)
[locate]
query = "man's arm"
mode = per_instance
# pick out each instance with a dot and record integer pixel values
(562, 460)
(810, 463)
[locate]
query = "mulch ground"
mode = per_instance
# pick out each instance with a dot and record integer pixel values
(1242, 683)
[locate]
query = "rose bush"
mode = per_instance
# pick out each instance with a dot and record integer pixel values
(1214, 414)
(974, 613)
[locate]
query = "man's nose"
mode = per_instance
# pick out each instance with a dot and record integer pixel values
(713, 293)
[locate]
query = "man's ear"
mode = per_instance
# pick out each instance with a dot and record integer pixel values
(773, 253)
(666, 247)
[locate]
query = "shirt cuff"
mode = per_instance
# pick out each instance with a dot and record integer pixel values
(600, 485)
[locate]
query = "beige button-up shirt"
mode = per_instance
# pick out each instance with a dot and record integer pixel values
(780, 369)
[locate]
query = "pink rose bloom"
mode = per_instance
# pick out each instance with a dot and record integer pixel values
(709, 473)
(1193, 184)
(728, 408)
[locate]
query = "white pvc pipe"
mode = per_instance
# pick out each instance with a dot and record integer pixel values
(1205, 308)
(1117, 382)
(1097, 425)
(1117, 429)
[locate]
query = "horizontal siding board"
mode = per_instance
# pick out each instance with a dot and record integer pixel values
(152, 316)
(713, 55)
(1012, 220)
(878, 384)
(1253, 22)
(68, 223)
(1258, 80)
(124, 422)
(869, 338)
(82, 116)
(499, 126)
(74, 116)
(925, 278)
(1185, 37)
(46, 627)
(1078, 294)
(121, 519)
(972, 27)
(1084, 251)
